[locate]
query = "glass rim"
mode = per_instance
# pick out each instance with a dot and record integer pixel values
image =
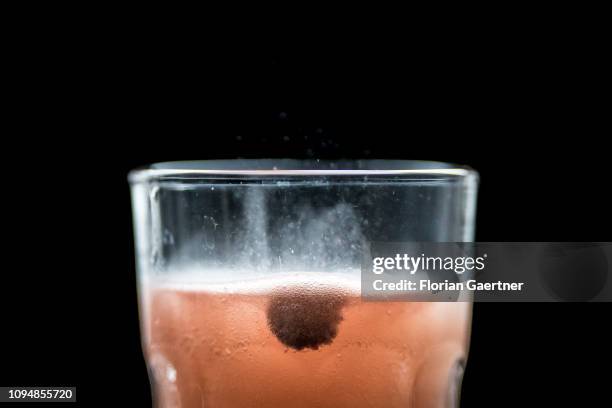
(298, 168)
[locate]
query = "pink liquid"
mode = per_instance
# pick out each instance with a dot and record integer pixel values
(288, 341)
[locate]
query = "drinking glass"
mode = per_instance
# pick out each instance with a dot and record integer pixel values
(249, 282)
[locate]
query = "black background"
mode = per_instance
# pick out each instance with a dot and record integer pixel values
(525, 112)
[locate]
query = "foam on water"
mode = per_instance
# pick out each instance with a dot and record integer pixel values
(347, 282)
